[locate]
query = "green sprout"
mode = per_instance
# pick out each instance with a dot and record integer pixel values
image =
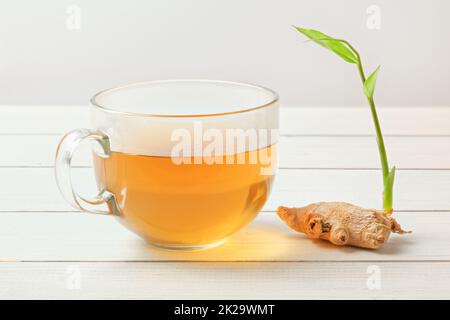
(347, 52)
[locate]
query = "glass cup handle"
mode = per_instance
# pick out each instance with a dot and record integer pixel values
(64, 154)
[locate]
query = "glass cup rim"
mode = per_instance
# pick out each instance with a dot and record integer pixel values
(274, 98)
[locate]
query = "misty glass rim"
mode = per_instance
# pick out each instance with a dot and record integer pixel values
(274, 97)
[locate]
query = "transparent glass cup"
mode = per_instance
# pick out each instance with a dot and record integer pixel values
(182, 163)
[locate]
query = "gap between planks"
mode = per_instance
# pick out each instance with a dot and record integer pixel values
(288, 135)
(75, 211)
(225, 261)
(280, 168)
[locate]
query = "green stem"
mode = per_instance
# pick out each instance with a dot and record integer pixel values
(387, 192)
(376, 122)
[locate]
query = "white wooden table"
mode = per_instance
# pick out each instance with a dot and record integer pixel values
(48, 250)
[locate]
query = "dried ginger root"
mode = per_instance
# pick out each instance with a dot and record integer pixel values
(342, 223)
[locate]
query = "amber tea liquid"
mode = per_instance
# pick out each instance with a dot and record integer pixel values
(193, 204)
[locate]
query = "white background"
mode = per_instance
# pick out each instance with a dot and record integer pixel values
(44, 62)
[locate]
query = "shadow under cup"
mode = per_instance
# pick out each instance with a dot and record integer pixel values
(185, 163)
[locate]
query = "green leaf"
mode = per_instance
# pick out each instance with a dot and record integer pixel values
(369, 84)
(330, 43)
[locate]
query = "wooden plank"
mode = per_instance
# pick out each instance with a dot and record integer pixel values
(362, 152)
(295, 152)
(31, 150)
(34, 189)
(162, 280)
(37, 236)
(42, 119)
(294, 120)
(358, 121)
